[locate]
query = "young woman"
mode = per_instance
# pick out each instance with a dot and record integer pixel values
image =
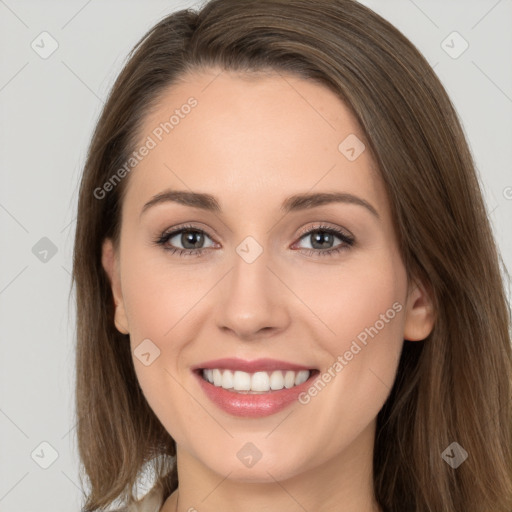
(288, 292)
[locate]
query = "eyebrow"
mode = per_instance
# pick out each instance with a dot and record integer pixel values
(297, 202)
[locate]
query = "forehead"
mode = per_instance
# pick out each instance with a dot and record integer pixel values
(244, 136)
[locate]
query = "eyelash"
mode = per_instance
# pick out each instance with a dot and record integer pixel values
(348, 241)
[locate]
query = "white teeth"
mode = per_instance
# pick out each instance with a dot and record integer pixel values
(301, 377)
(227, 379)
(289, 379)
(217, 377)
(276, 381)
(242, 381)
(259, 382)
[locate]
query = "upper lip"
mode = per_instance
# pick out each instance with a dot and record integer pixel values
(265, 364)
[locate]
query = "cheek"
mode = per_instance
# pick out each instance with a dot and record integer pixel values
(368, 309)
(354, 300)
(362, 312)
(157, 304)
(160, 311)
(156, 296)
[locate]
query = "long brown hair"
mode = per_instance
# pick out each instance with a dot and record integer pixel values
(454, 386)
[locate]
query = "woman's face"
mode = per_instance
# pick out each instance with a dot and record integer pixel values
(265, 275)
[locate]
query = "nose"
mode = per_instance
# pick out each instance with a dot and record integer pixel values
(253, 302)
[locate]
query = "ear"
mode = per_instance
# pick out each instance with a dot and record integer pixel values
(110, 263)
(419, 313)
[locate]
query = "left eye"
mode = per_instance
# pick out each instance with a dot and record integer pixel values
(191, 240)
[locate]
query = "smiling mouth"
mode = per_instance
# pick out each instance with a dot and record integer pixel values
(261, 382)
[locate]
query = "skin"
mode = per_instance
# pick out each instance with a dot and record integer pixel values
(252, 143)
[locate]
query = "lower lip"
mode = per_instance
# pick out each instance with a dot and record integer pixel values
(251, 405)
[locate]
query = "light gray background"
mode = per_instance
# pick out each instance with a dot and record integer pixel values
(48, 108)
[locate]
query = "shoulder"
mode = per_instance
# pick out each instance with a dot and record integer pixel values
(151, 502)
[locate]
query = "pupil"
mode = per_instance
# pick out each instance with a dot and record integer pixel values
(319, 236)
(188, 236)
